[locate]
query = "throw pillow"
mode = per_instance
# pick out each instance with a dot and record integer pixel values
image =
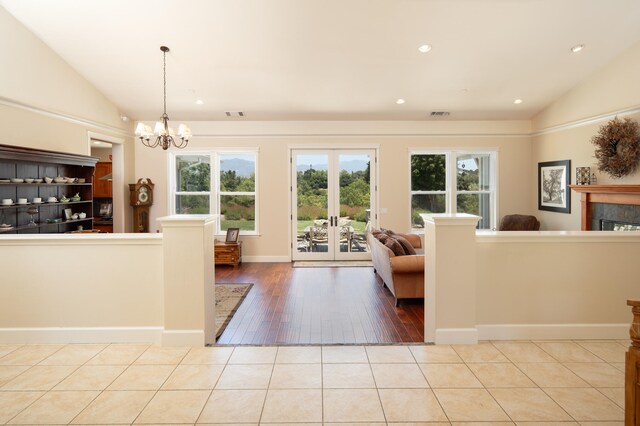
(382, 237)
(395, 246)
(406, 245)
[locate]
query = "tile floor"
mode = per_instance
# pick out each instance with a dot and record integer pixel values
(551, 382)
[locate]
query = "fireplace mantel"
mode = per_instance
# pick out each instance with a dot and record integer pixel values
(608, 194)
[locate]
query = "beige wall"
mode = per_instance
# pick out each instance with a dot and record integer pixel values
(102, 153)
(543, 279)
(395, 139)
(563, 130)
(65, 290)
(46, 104)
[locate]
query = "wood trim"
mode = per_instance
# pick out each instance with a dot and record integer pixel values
(607, 194)
(18, 153)
(632, 369)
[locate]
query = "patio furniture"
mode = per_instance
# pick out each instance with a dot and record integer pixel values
(318, 235)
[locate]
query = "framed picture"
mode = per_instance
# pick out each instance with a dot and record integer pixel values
(232, 235)
(554, 194)
(67, 214)
(106, 209)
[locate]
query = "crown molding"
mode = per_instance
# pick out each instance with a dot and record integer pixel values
(65, 117)
(587, 121)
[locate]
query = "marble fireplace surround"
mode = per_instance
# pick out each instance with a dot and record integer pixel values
(612, 202)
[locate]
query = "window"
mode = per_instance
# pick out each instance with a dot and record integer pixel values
(217, 182)
(436, 188)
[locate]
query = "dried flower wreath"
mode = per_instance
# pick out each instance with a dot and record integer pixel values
(617, 147)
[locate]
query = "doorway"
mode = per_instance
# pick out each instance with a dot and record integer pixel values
(332, 199)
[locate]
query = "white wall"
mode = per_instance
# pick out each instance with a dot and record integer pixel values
(394, 139)
(563, 131)
(46, 104)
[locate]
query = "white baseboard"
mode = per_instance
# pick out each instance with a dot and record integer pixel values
(552, 331)
(81, 335)
(266, 259)
(183, 338)
(460, 336)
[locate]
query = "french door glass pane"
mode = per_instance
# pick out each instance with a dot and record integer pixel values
(428, 172)
(313, 202)
(238, 211)
(192, 204)
(193, 173)
(355, 201)
(474, 172)
(477, 204)
(426, 203)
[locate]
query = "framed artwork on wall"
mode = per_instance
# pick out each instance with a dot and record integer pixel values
(554, 178)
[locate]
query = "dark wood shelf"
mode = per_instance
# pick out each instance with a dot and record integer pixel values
(42, 225)
(26, 163)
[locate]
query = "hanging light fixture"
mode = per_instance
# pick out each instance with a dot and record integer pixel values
(165, 136)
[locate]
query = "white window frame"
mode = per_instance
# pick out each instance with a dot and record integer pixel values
(214, 184)
(451, 186)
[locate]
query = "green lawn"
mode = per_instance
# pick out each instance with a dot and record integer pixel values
(244, 225)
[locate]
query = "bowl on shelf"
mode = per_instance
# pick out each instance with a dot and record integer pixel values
(28, 180)
(70, 180)
(48, 179)
(17, 180)
(81, 180)
(60, 179)
(5, 180)
(39, 180)
(52, 200)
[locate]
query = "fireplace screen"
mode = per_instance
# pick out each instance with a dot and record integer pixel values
(616, 225)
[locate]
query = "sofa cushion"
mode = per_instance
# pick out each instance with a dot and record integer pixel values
(395, 246)
(406, 245)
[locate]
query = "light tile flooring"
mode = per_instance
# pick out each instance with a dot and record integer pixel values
(551, 382)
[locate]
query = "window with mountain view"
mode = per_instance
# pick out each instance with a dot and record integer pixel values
(232, 176)
(437, 188)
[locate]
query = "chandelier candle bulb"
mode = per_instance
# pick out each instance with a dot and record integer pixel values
(583, 175)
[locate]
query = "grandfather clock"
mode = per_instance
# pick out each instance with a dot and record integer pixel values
(141, 198)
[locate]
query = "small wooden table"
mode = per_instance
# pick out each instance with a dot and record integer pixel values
(228, 253)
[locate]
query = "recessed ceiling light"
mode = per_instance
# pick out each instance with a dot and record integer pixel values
(518, 101)
(577, 48)
(424, 48)
(124, 118)
(200, 102)
(400, 101)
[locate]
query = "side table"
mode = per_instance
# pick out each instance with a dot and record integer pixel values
(228, 253)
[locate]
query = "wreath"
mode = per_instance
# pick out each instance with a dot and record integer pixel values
(617, 147)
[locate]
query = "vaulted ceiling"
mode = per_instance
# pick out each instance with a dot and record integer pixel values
(333, 59)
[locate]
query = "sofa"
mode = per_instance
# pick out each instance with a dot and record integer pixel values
(402, 274)
(519, 222)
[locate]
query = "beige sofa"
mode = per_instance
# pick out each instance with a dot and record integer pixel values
(403, 275)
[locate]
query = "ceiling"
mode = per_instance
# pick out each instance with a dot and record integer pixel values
(333, 59)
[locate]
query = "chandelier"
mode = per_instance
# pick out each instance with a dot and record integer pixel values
(165, 137)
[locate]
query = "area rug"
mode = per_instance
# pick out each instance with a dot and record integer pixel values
(228, 300)
(331, 264)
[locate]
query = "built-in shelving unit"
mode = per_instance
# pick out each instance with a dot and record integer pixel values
(26, 163)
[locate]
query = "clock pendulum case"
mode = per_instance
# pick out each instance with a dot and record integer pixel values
(141, 198)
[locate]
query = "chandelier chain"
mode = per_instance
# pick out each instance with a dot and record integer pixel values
(164, 71)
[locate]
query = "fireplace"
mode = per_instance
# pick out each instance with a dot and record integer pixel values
(609, 207)
(616, 225)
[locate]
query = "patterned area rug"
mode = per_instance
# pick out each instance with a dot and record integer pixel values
(228, 300)
(330, 264)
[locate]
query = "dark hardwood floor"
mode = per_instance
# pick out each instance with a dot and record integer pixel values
(290, 305)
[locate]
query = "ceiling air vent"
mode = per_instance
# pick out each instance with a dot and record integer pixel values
(440, 113)
(234, 114)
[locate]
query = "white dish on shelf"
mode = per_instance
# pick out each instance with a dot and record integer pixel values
(59, 179)
(17, 180)
(28, 180)
(37, 180)
(5, 180)
(48, 179)
(38, 202)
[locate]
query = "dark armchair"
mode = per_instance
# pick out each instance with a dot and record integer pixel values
(519, 222)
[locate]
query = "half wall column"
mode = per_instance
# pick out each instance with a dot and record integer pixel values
(189, 286)
(450, 278)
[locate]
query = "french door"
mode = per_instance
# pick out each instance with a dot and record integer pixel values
(332, 198)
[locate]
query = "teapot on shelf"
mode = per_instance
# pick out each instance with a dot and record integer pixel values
(76, 197)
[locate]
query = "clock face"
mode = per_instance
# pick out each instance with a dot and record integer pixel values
(143, 194)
